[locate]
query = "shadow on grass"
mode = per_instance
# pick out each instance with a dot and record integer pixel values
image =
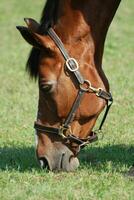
(18, 158)
(100, 157)
(23, 158)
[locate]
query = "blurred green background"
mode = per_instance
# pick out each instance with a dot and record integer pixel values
(103, 164)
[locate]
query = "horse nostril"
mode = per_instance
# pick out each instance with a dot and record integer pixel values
(44, 163)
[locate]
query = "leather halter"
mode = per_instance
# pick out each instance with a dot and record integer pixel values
(85, 86)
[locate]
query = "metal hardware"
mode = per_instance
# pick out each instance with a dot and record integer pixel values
(75, 63)
(85, 86)
(98, 92)
(63, 130)
(95, 90)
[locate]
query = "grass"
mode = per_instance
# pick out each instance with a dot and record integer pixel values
(104, 163)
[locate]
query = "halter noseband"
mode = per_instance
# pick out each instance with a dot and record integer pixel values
(85, 86)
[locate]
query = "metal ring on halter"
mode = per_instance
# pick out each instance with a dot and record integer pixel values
(68, 65)
(87, 85)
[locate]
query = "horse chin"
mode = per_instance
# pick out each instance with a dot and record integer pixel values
(61, 160)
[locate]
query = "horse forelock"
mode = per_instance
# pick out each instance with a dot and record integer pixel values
(48, 18)
(32, 63)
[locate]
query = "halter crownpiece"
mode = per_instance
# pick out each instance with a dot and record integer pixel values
(85, 86)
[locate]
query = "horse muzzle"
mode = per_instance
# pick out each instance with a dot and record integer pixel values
(61, 159)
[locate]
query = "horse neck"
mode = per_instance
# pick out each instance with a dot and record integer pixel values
(71, 23)
(78, 18)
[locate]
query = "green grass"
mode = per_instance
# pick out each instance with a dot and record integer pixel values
(104, 163)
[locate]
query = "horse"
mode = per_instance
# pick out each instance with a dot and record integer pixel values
(66, 59)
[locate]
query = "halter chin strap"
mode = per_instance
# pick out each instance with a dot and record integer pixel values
(84, 86)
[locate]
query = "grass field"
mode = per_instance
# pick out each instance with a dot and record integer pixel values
(101, 175)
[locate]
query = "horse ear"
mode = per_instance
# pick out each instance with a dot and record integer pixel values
(35, 39)
(32, 24)
(28, 36)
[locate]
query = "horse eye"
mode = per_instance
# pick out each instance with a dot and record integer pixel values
(46, 87)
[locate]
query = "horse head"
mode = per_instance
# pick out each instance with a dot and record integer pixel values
(59, 134)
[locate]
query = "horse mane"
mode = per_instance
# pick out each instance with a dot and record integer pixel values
(48, 18)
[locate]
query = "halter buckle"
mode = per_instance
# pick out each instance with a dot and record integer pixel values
(63, 130)
(68, 61)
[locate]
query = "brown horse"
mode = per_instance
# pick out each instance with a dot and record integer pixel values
(72, 90)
